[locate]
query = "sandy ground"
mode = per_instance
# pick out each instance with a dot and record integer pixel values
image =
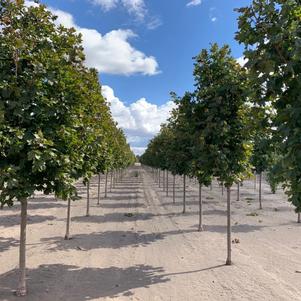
(155, 253)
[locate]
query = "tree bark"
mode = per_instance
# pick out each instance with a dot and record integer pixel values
(238, 191)
(22, 291)
(255, 180)
(299, 217)
(166, 182)
(174, 189)
(98, 190)
(200, 208)
(67, 235)
(163, 180)
(228, 261)
(159, 178)
(106, 185)
(184, 193)
(260, 183)
(222, 188)
(88, 199)
(111, 183)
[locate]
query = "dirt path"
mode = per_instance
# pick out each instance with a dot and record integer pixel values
(138, 246)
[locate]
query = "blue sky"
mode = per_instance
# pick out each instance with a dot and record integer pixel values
(145, 50)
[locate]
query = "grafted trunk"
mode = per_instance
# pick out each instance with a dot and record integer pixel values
(67, 235)
(106, 185)
(229, 260)
(200, 208)
(88, 199)
(260, 183)
(174, 189)
(22, 291)
(166, 182)
(98, 190)
(184, 193)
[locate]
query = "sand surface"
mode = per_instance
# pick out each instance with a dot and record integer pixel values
(137, 245)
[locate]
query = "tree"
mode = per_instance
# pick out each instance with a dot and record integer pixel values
(220, 88)
(270, 31)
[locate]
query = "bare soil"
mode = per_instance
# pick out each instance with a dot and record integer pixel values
(137, 245)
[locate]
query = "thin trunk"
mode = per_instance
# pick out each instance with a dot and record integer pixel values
(211, 186)
(22, 291)
(67, 235)
(159, 179)
(106, 185)
(184, 193)
(255, 180)
(111, 183)
(163, 180)
(299, 217)
(229, 261)
(222, 188)
(88, 199)
(98, 191)
(260, 180)
(174, 189)
(238, 191)
(200, 208)
(166, 182)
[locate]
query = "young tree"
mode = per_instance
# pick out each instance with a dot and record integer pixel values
(221, 86)
(270, 31)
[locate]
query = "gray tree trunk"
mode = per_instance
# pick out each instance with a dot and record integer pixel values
(229, 261)
(238, 191)
(106, 185)
(200, 208)
(222, 188)
(98, 190)
(159, 178)
(166, 182)
(21, 290)
(88, 199)
(299, 217)
(260, 183)
(184, 193)
(67, 235)
(111, 183)
(174, 189)
(255, 180)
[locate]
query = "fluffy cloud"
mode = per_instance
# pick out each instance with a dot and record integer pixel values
(140, 120)
(194, 3)
(110, 53)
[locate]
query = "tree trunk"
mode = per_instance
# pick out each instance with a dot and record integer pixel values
(211, 186)
(159, 178)
(229, 261)
(184, 193)
(255, 180)
(260, 183)
(222, 188)
(88, 199)
(174, 189)
(166, 182)
(111, 183)
(67, 235)
(163, 180)
(238, 191)
(106, 185)
(299, 217)
(22, 291)
(200, 208)
(98, 191)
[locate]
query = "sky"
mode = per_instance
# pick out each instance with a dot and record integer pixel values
(144, 49)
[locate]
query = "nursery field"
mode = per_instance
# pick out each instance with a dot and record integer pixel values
(137, 245)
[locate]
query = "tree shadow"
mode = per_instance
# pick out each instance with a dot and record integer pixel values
(13, 220)
(67, 282)
(122, 205)
(8, 242)
(118, 217)
(108, 240)
(242, 228)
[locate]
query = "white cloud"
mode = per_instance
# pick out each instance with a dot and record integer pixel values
(140, 120)
(106, 5)
(213, 19)
(111, 53)
(242, 61)
(194, 3)
(138, 150)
